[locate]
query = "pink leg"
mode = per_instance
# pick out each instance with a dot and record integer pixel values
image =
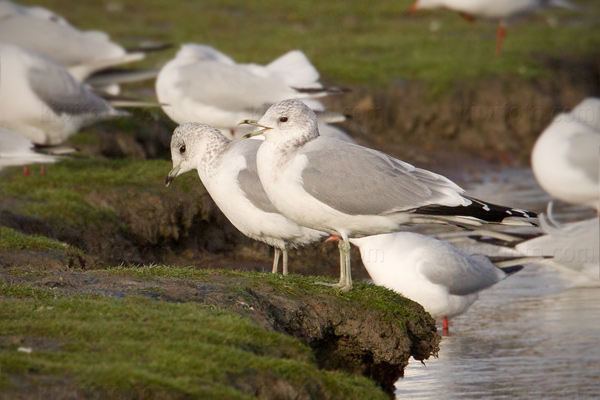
(43, 170)
(26, 170)
(500, 39)
(446, 327)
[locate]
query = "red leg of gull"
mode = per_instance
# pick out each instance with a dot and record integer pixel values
(26, 170)
(43, 170)
(445, 327)
(500, 39)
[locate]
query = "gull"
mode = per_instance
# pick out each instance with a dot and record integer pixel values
(17, 150)
(204, 85)
(352, 191)
(571, 248)
(9, 9)
(435, 274)
(565, 158)
(81, 53)
(40, 100)
(227, 170)
(503, 11)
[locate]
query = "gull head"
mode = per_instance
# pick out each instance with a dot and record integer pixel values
(287, 120)
(189, 143)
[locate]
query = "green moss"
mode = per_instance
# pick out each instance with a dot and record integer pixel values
(62, 195)
(182, 348)
(15, 240)
(370, 297)
(350, 41)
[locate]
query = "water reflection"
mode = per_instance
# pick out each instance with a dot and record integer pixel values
(527, 337)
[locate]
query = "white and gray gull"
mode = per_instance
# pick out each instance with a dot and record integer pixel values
(352, 191)
(228, 171)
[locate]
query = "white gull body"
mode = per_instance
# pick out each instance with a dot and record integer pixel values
(443, 279)
(353, 191)
(228, 171)
(204, 85)
(40, 100)
(566, 156)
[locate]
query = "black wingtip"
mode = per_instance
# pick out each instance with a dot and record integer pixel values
(512, 270)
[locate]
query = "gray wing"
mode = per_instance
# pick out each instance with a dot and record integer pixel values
(248, 177)
(584, 154)
(463, 279)
(61, 92)
(357, 180)
(230, 88)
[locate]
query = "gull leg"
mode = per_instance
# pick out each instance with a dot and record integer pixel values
(348, 265)
(26, 170)
(500, 38)
(285, 259)
(43, 169)
(276, 260)
(445, 327)
(345, 283)
(342, 281)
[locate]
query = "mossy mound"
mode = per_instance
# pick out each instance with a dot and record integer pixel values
(183, 332)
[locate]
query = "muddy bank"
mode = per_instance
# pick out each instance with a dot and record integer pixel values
(370, 332)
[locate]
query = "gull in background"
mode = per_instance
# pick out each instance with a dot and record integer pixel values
(204, 85)
(228, 172)
(566, 156)
(352, 191)
(435, 274)
(40, 100)
(17, 150)
(81, 53)
(503, 11)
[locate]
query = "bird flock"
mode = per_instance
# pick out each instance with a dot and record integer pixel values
(272, 159)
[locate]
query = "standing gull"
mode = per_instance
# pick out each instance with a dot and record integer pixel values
(565, 158)
(435, 274)
(204, 85)
(353, 191)
(42, 101)
(503, 11)
(228, 171)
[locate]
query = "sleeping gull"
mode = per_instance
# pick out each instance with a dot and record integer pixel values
(40, 100)
(503, 11)
(565, 158)
(17, 150)
(204, 85)
(435, 274)
(353, 191)
(228, 171)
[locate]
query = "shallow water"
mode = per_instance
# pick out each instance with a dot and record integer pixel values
(530, 336)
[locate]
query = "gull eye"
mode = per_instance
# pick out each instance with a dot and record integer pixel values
(182, 149)
(283, 119)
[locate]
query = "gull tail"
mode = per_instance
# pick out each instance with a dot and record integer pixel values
(295, 70)
(318, 92)
(128, 102)
(479, 212)
(149, 48)
(118, 76)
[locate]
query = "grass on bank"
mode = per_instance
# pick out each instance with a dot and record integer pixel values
(158, 348)
(353, 41)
